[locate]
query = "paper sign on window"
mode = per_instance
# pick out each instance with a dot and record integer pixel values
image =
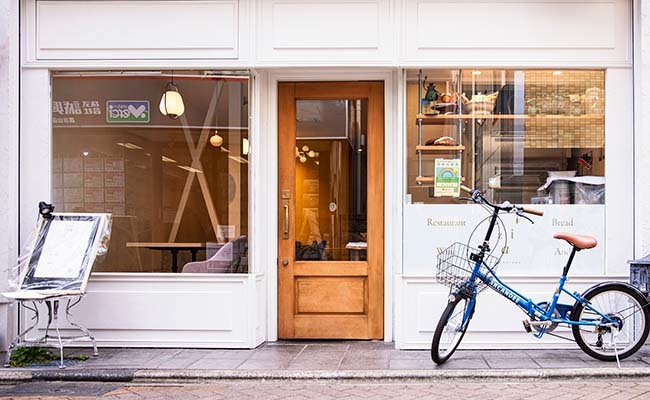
(447, 177)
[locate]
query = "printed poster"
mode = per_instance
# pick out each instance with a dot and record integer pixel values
(114, 179)
(447, 177)
(73, 179)
(114, 195)
(73, 164)
(114, 164)
(94, 195)
(93, 164)
(93, 180)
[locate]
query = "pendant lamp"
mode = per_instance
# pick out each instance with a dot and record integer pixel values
(171, 103)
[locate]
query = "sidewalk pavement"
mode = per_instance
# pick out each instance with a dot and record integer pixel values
(318, 360)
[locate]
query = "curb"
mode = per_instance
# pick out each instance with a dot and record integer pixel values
(14, 376)
(148, 376)
(193, 376)
(83, 375)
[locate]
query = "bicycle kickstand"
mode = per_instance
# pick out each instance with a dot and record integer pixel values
(614, 334)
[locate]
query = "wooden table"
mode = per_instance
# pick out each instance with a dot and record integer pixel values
(355, 249)
(173, 247)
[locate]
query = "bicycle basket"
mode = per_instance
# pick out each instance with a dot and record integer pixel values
(454, 266)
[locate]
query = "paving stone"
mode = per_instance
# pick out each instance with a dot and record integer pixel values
(230, 354)
(364, 363)
(509, 363)
(410, 364)
(562, 363)
(263, 365)
(273, 356)
(220, 364)
(315, 364)
(411, 355)
(177, 363)
(466, 363)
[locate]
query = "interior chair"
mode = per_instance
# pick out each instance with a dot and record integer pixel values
(226, 260)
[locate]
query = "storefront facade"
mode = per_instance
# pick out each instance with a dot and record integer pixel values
(258, 77)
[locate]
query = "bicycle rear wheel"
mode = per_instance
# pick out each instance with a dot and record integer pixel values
(451, 329)
(623, 304)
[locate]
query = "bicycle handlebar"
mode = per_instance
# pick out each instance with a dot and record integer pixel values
(465, 188)
(478, 197)
(532, 211)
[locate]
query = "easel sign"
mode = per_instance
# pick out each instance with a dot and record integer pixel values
(63, 253)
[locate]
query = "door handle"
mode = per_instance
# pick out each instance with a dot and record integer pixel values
(285, 219)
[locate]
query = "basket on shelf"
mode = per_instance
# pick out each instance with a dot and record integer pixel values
(454, 266)
(480, 104)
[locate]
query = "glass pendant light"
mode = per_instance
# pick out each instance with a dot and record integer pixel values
(171, 103)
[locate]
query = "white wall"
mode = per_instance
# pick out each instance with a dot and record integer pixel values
(270, 35)
(159, 310)
(276, 33)
(542, 33)
(642, 128)
(9, 67)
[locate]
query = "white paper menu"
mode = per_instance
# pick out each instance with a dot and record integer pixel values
(64, 249)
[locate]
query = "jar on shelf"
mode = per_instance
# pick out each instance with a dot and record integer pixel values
(594, 102)
(575, 107)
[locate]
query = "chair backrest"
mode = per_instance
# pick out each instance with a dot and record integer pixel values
(227, 259)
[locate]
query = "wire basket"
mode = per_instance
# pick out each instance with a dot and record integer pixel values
(454, 266)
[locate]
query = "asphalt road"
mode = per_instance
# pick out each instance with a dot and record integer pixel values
(449, 389)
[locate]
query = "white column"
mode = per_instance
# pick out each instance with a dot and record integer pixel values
(642, 127)
(9, 67)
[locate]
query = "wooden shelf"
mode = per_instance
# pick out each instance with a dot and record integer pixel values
(430, 179)
(440, 148)
(424, 179)
(442, 119)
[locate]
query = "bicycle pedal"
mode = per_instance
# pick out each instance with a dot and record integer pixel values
(527, 326)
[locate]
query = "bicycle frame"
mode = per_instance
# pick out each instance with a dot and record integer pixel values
(532, 309)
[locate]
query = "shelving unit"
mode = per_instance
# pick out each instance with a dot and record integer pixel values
(443, 119)
(445, 150)
(439, 148)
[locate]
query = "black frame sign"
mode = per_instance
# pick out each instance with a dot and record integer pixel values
(63, 253)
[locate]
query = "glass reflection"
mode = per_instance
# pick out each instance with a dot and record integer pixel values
(331, 159)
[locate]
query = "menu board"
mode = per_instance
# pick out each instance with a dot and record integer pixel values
(63, 254)
(64, 249)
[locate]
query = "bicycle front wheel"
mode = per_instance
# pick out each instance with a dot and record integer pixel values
(451, 329)
(621, 303)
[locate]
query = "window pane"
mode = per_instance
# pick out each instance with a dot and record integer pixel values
(527, 136)
(177, 188)
(331, 180)
(524, 136)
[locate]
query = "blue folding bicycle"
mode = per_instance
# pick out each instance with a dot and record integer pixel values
(609, 321)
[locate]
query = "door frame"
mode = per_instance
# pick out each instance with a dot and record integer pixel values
(365, 276)
(267, 175)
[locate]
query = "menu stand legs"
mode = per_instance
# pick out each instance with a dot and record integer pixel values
(59, 341)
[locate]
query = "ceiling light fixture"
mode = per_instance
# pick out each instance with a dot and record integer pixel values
(304, 152)
(216, 140)
(171, 102)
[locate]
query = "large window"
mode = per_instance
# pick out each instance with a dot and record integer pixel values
(524, 136)
(527, 136)
(176, 185)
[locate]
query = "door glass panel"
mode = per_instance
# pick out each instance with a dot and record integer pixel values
(331, 180)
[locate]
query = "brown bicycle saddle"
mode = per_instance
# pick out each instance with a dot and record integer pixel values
(580, 241)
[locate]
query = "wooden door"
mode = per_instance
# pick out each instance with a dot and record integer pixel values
(331, 210)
